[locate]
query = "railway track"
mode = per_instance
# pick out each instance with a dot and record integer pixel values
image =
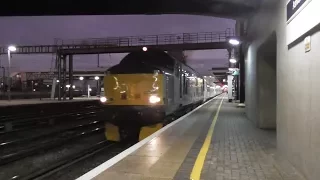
(102, 147)
(70, 161)
(20, 122)
(42, 113)
(50, 159)
(22, 153)
(31, 110)
(29, 142)
(6, 144)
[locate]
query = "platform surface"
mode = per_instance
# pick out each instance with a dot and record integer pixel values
(15, 102)
(237, 151)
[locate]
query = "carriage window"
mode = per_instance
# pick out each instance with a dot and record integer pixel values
(197, 86)
(181, 81)
(202, 89)
(177, 69)
(187, 85)
(185, 89)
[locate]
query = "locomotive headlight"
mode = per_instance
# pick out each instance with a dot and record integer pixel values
(103, 99)
(154, 99)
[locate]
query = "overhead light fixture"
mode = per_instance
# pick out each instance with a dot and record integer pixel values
(96, 78)
(234, 41)
(232, 60)
(144, 48)
(12, 48)
(81, 78)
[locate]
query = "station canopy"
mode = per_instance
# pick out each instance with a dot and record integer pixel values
(218, 8)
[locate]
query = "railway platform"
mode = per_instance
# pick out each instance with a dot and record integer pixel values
(215, 141)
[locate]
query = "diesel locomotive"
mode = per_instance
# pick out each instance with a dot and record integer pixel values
(146, 89)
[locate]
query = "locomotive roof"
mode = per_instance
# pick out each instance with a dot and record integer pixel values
(155, 57)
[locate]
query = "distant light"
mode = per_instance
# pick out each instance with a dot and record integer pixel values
(144, 48)
(34, 89)
(96, 78)
(68, 85)
(81, 78)
(224, 80)
(233, 60)
(73, 86)
(90, 89)
(234, 42)
(12, 48)
(58, 81)
(47, 85)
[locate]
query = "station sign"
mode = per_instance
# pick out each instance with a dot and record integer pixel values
(293, 7)
(302, 16)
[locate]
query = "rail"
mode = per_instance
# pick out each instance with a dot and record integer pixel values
(126, 41)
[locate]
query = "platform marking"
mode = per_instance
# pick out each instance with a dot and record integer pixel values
(104, 166)
(197, 168)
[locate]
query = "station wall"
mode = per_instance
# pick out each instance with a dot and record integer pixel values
(296, 88)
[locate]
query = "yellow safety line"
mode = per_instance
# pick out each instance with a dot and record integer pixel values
(197, 168)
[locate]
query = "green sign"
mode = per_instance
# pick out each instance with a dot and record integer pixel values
(235, 73)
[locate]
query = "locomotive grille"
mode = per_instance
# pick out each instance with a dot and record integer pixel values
(137, 96)
(124, 96)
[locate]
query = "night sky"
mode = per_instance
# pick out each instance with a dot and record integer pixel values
(43, 30)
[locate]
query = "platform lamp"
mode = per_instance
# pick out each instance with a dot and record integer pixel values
(10, 49)
(232, 58)
(234, 41)
(98, 84)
